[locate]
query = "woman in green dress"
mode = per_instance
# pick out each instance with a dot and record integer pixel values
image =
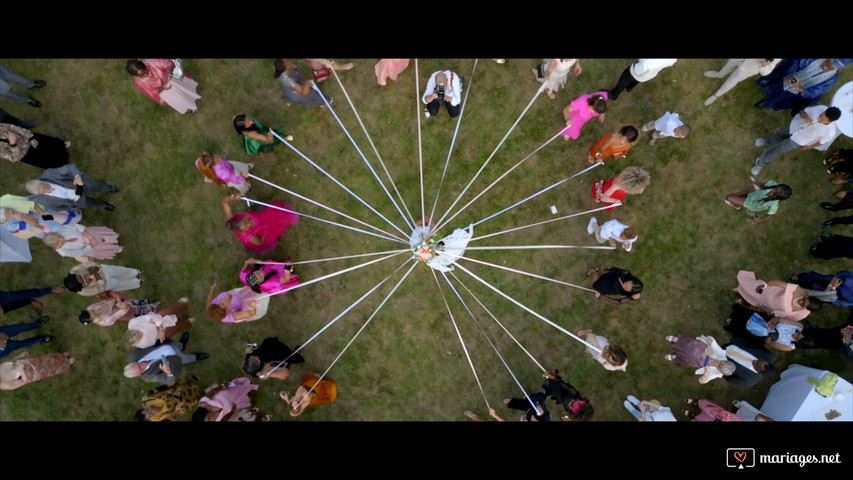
(257, 139)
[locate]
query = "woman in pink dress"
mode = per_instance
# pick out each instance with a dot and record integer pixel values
(782, 299)
(154, 77)
(582, 110)
(710, 412)
(237, 305)
(389, 68)
(258, 231)
(219, 170)
(83, 243)
(266, 278)
(226, 402)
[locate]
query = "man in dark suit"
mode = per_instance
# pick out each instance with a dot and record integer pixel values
(752, 364)
(161, 363)
(68, 188)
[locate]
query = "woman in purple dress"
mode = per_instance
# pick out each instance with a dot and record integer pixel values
(219, 170)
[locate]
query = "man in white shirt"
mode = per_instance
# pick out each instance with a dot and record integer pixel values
(443, 88)
(810, 128)
(642, 70)
(68, 188)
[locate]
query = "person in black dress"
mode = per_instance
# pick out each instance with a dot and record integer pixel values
(265, 361)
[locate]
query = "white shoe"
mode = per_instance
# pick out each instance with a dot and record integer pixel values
(755, 170)
(671, 338)
(67, 144)
(590, 227)
(760, 142)
(670, 357)
(184, 300)
(710, 100)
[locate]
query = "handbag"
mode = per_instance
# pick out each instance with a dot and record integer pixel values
(757, 326)
(177, 71)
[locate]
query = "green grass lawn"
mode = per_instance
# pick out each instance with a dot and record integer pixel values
(408, 363)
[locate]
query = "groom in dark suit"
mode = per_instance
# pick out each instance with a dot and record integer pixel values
(68, 188)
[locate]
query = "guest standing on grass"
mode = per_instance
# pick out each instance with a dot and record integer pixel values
(84, 244)
(702, 353)
(648, 410)
(257, 139)
(160, 80)
(9, 345)
(827, 288)
(272, 359)
(615, 282)
(268, 278)
(236, 305)
(161, 363)
(389, 69)
(18, 144)
(111, 309)
(312, 391)
(632, 181)
(577, 407)
(668, 125)
(553, 72)
(155, 328)
(782, 299)
(614, 232)
(609, 355)
(14, 299)
(582, 110)
(810, 128)
(641, 71)
(23, 369)
(295, 87)
(68, 188)
(259, 231)
(322, 68)
(740, 69)
(223, 172)
(7, 76)
(797, 83)
(90, 278)
(763, 198)
(615, 145)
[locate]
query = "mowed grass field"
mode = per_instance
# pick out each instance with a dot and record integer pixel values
(422, 355)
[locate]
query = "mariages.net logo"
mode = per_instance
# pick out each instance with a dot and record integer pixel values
(741, 458)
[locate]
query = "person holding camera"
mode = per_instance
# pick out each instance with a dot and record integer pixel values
(443, 88)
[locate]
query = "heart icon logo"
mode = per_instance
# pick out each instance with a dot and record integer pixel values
(740, 456)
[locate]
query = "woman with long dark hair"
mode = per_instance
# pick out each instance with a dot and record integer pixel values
(257, 139)
(763, 198)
